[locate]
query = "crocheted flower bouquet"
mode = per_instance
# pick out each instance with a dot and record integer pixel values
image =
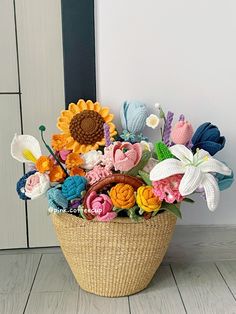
(89, 149)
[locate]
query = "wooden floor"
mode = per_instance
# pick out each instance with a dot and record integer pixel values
(43, 283)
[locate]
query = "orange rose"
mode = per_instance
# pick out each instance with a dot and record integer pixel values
(77, 171)
(57, 174)
(122, 195)
(44, 164)
(73, 160)
(146, 199)
(58, 141)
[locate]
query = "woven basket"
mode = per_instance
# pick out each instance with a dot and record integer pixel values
(116, 258)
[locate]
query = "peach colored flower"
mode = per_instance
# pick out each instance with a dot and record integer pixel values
(44, 164)
(77, 171)
(57, 174)
(73, 160)
(58, 141)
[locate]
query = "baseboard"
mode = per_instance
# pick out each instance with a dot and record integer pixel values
(202, 243)
(189, 244)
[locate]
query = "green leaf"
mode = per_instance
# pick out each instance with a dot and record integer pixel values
(145, 176)
(188, 200)
(132, 213)
(117, 209)
(172, 208)
(144, 159)
(162, 151)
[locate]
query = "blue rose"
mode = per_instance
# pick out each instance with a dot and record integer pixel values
(208, 137)
(73, 187)
(133, 116)
(20, 185)
(56, 200)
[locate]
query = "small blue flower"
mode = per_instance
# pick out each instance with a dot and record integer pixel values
(128, 136)
(56, 200)
(140, 137)
(133, 116)
(73, 187)
(20, 185)
(208, 137)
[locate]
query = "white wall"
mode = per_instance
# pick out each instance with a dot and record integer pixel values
(181, 54)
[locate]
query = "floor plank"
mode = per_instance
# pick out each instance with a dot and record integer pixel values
(13, 303)
(160, 297)
(54, 275)
(17, 272)
(228, 271)
(52, 302)
(92, 304)
(203, 290)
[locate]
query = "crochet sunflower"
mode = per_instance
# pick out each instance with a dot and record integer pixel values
(82, 126)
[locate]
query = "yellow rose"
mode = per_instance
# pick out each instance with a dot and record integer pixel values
(146, 199)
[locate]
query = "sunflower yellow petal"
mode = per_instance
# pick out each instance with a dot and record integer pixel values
(73, 108)
(90, 105)
(82, 105)
(104, 112)
(97, 107)
(109, 117)
(64, 127)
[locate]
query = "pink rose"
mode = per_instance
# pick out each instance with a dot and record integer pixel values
(182, 132)
(100, 206)
(125, 155)
(36, 185)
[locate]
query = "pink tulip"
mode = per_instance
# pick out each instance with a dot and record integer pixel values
(100, 206)
(182, 132)
(125, 155)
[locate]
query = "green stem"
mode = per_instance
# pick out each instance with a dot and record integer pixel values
(42, 129)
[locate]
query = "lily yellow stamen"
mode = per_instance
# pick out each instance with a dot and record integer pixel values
(28, 155)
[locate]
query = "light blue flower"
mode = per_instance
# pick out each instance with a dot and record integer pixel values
(224, 182)
(128, 136)
(73, 187)
(56, 201)
(140, 137)
(133, 116)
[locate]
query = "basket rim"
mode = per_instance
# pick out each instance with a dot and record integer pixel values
(118, 220)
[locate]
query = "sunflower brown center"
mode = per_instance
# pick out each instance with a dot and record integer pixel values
(87, 127)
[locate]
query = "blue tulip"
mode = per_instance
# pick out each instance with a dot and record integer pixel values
(133, 116)
(208, 137)
(20, 185)
(73, 187)
(56, 200)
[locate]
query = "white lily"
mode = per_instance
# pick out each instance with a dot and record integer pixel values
(25, 148)
(197, 171)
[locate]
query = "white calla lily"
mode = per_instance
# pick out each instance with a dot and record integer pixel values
(25, 148)
(196, 170)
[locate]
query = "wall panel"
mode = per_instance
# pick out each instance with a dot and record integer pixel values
(12, 209)
(8, 61)
(42, 83)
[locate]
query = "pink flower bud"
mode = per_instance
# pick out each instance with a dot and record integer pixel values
(182, 132)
